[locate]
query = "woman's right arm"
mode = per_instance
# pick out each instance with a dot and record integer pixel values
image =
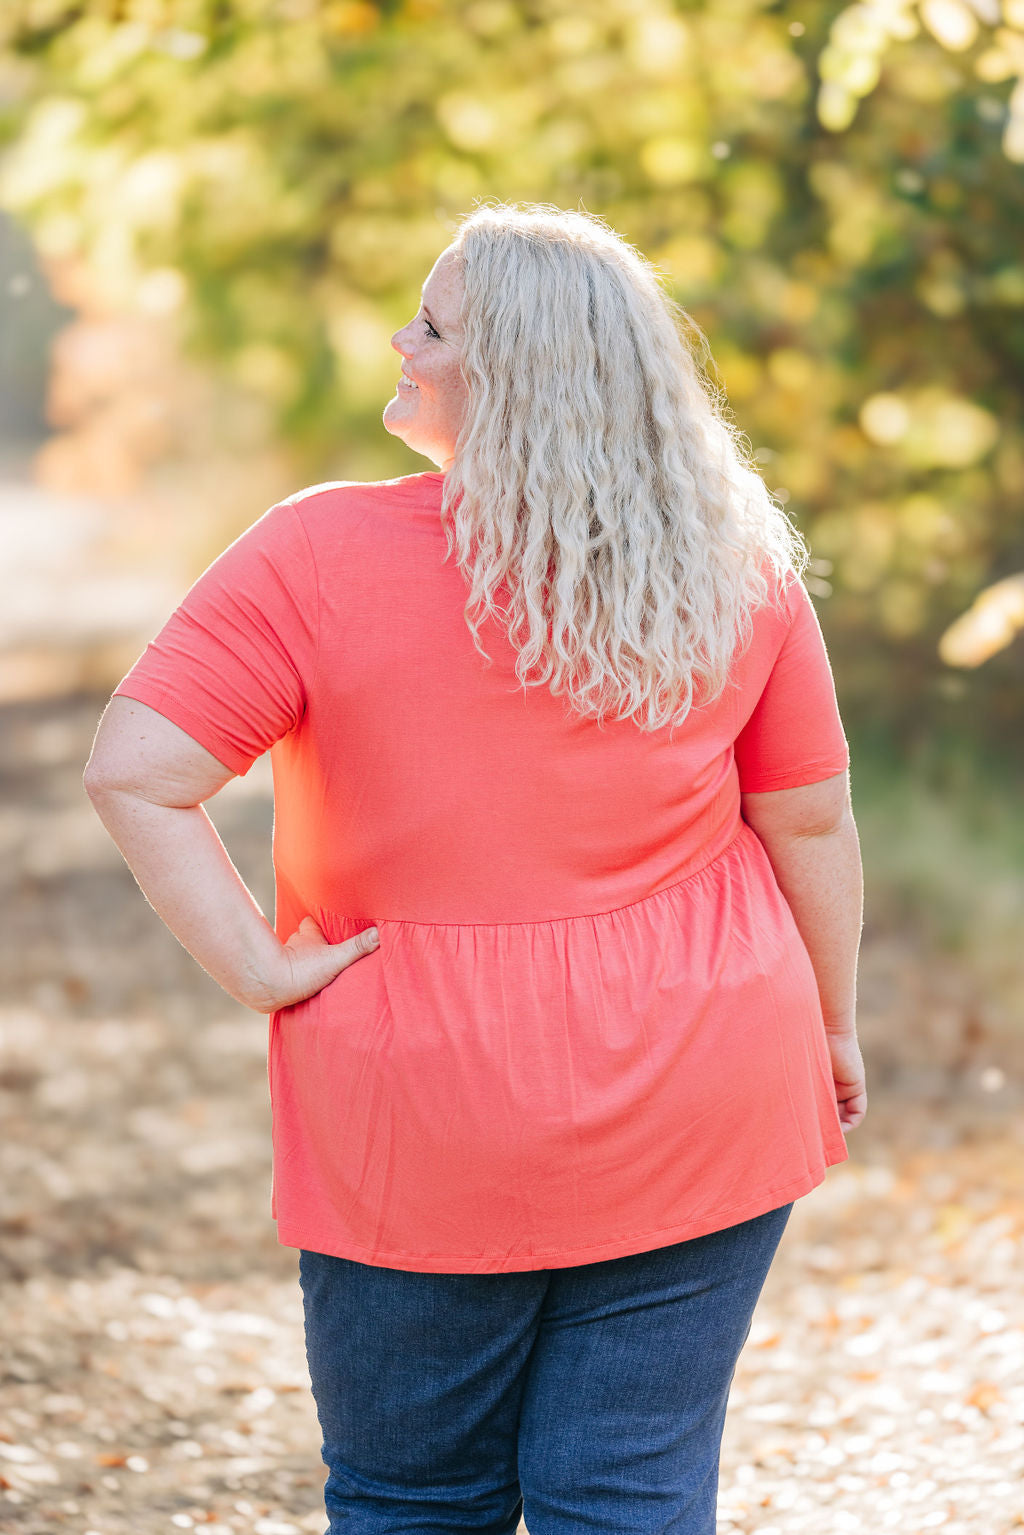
(811, 840)
(148, 779)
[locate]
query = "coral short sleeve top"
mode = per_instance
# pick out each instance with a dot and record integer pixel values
(591, 1027)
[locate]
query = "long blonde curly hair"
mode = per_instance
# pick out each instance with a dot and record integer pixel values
(596, 478)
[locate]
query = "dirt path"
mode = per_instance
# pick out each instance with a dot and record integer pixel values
(154, 1371)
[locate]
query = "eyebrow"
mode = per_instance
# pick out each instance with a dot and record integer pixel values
(444, 324)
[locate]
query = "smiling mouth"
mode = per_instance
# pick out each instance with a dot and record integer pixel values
(407, 382)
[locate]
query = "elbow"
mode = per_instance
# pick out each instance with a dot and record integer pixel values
(101, 778)
(95, 780)
(841, 820)
(816, 827)
(814, 810)
(111, 768)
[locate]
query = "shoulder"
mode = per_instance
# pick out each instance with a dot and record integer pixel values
(331, 492)
(769, 628)
(288, 532)
(794, 600)
(782, 600)
(333, 503)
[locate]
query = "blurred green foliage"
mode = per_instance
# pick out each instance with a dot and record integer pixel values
(834, 193)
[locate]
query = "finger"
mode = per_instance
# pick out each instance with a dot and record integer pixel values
(852, 1111)
(354, 948)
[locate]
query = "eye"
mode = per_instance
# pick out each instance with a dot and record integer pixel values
(430, 329)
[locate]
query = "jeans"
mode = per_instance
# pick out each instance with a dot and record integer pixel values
(583, 1398)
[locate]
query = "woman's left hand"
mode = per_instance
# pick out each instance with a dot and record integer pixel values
(848, 1077)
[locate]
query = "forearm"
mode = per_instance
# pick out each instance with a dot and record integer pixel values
(184, 871)
(821, 877)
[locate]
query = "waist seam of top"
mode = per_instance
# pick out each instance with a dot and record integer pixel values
(580, 916)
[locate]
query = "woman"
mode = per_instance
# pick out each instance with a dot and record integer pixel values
(568, 897)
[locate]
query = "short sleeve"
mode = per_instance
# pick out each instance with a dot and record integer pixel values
(233, 664)
(794, 735)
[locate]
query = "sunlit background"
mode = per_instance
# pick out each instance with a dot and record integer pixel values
(213, 216)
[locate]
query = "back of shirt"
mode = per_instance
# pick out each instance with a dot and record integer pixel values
(591, 1026)
(416, 781)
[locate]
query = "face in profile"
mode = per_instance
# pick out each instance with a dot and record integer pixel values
(429, 404)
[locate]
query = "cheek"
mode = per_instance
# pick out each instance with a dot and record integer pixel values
(455, 386)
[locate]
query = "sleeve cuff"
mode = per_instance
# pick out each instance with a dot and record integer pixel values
(172, 708)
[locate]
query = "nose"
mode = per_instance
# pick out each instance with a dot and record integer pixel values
(400, 341)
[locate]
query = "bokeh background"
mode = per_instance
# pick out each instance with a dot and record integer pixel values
(213, 215)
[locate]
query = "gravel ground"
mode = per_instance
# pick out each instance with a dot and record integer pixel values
(154, 1375)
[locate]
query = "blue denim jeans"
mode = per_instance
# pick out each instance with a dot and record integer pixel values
(584, 1398)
